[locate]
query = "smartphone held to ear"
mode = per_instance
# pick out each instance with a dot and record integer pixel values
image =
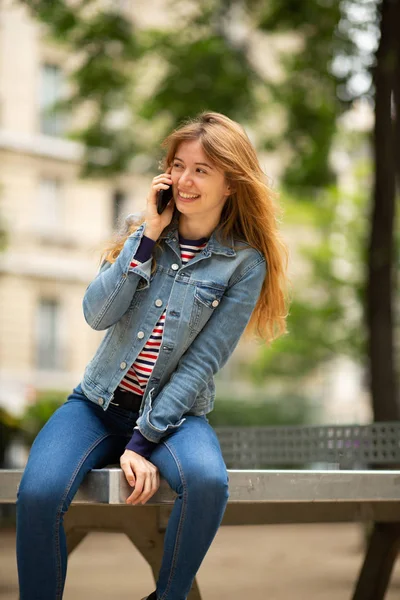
(163, 197)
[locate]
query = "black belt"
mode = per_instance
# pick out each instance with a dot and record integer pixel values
(127, 400)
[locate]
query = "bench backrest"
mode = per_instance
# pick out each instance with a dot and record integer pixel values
(342, 446)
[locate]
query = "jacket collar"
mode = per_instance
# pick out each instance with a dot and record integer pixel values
(213, 245)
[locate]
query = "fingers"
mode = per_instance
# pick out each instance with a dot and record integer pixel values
(134, 497)
(129, 474)
(155, 221)
(164, 178)
(160, 186)
(162, 182)
(140, 474)
(146, 486)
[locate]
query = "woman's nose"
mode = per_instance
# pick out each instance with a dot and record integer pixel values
(185, 179)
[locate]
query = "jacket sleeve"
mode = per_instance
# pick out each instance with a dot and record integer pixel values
(139, 444)
(208, 353)
(109, 295)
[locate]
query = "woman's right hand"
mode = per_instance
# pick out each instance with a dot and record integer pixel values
(140, 474)
(155, 223)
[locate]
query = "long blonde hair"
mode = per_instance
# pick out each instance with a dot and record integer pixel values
(250, 213)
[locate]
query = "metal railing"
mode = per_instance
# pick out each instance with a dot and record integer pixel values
(344, 446)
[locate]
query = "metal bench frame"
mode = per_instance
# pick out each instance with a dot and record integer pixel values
(264, 496)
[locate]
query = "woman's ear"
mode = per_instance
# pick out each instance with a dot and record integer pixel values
(230, 187)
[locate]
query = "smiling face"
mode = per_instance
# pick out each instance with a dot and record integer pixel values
(199, 188)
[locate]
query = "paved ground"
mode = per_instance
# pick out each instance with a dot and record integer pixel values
(271, 562)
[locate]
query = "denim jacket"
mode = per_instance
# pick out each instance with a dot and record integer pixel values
(210, 301)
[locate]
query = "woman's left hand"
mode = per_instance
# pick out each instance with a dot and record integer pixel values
(141, 474)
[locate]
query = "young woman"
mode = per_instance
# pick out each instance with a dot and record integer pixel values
(175, 293)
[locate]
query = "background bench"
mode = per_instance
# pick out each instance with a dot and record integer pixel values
(343, 488)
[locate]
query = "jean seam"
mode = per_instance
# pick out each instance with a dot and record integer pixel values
(180, 525)
(59, 510)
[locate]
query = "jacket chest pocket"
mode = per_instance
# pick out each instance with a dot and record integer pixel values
(206, 300)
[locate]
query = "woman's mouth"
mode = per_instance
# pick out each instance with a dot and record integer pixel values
(183, 197)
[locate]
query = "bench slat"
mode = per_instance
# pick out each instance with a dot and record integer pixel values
(108, 486)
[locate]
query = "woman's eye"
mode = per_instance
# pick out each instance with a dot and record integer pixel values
(179, 166)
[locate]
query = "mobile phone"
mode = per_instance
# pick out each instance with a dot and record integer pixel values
(163, 197)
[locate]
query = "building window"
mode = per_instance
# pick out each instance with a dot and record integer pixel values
(48, 352)
(118, 207)
(52, 122)
(49, 213)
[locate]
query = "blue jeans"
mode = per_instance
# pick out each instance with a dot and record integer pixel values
(81, 436)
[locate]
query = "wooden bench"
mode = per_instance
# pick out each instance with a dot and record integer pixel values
(261, 496)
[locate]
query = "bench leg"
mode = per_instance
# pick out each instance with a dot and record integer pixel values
(74, 538)
(194, 592)
(152, 549)
(378, 563)
(145, 535)
(144, 526)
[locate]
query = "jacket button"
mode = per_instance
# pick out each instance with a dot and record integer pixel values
(215, 302)
(101, 401)
(158, 302)
(123, 365)
(140, 335)
(174, 267)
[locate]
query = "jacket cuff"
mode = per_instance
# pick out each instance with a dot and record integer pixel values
(143, 252)
(141, 445)
(137, 266)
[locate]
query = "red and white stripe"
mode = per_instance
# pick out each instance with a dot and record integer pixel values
(137, 377)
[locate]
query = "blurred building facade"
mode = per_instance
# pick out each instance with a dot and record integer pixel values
(55, 222)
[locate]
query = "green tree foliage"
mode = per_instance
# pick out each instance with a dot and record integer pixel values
(202, 70)
(9, 426)
(39, 412)
(206, 66)
(201, 74)
(320, 79)
(268, 410)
